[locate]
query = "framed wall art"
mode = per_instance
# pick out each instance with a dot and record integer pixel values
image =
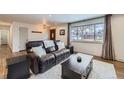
(62, 31)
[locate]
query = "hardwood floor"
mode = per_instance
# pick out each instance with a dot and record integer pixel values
(5, 53)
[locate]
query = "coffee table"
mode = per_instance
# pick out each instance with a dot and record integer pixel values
(72, 69)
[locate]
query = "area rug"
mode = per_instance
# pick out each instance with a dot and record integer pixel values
(101, 70)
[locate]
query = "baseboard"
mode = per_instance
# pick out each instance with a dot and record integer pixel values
(95, 56)
(120, 60)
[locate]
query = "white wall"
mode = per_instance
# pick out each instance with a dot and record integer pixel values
(117, 23)
(4, 28)
(61, 37)
(0, 37)
(89, 48)
(11, 37)
(14, 34)
(37, 36)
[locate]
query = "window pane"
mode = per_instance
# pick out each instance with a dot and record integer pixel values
(99, 29)
(88, 33)
(79, 33)
(91, 32)
(74, 33)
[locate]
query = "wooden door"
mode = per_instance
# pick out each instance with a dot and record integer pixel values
(53, 34)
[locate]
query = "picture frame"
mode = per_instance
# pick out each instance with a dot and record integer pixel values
(62, 31)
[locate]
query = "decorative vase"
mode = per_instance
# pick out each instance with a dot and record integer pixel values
(79, 59)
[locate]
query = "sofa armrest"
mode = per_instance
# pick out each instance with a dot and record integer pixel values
(32, 55)
(71, 48)
(66, 46)
(34, 62)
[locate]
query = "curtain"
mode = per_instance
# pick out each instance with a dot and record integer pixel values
(107, 50)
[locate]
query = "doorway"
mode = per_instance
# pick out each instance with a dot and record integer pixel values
(23, 38)
(4, 37)
(53, 34)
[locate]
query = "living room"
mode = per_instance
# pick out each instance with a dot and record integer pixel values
(61, 46)
(80, 33)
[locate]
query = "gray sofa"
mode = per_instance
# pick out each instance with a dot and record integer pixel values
(53, 57)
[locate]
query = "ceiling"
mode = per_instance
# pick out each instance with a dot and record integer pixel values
(46, 18)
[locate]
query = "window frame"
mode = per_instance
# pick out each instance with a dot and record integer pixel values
(88, 41)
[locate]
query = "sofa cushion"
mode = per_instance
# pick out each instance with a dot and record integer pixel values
(49, 46)
(58, 55)
(64, 50)
(66, 53)
(39, 51)
(47, 59)
(50, 49)
(61, 55)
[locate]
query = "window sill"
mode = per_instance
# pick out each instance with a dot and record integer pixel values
(94, 42)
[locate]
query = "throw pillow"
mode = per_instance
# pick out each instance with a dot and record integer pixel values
(50, 49)
(48, 43)
(39, 51)
(60, 45)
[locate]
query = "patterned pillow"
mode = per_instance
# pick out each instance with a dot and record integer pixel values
(50, 49)
(48, 43)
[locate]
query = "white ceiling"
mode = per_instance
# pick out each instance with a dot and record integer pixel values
(46, 18)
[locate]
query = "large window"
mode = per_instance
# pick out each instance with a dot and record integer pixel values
(88, 33)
